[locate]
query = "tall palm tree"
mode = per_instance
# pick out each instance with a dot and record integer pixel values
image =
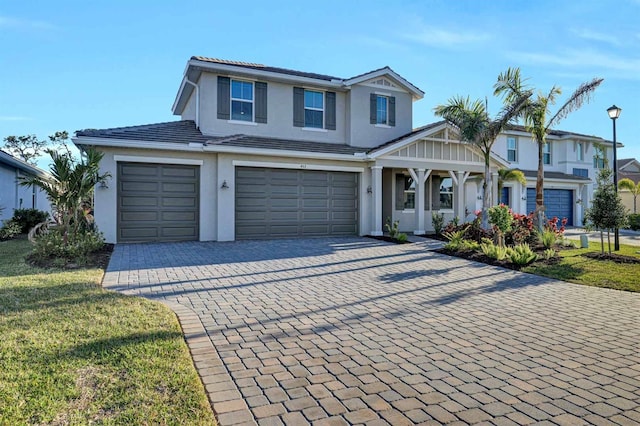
(510, 175)
(70, 186)
(476, 127)
(510, 86)
(632, 187)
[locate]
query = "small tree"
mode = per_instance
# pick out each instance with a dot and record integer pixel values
(27, 148)
(607, 211)
(632, 187)
(501, 218)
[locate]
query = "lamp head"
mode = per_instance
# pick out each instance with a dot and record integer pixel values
(614, 112)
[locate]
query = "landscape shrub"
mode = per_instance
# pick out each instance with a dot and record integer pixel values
(437, 221)
(76, 248)
(552, 225)
(493, 251)
(549, 253)
(522, 230)
(392, 227)
(401, 237)
(455, 239)
(634, 221)
(471, 231)
(10, 229)
(521, 254)
(548, 238)
(28, 218)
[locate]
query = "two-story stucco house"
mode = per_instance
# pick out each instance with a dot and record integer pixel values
(265, 152)
(12, 194)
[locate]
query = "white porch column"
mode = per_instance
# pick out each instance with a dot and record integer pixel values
(460, 196)
(376, 189)
(579, 206)
(419, 229)
(495, 197)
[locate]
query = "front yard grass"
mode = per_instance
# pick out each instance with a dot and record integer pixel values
(73, 353)
(574, 267)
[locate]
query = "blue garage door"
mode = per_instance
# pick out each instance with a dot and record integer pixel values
(559, 202)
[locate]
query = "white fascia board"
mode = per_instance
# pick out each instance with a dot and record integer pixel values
(281, 153)
(297, 166)
(497, 159)
(417, 93)
(179, 95)
(410, 139)
(132, 143)
(267, 75)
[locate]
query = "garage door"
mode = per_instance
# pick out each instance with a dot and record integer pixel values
(558, 202)
(157, 202)
(281, 203)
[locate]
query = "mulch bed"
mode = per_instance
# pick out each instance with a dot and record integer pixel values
(617, 258)
(98, 259)
(482, 258)
(388, 239)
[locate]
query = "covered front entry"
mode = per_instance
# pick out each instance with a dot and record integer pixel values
(283, 203)
(157, 202)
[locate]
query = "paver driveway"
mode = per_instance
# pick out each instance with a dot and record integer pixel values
(358, 331)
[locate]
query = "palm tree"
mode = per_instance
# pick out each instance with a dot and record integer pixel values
(510, 85)
(476, 127)
(70, 186)
(632, 187)
(510, 175)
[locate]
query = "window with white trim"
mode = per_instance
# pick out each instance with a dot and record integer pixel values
(382, 110)
(512, 149)
(599, 157)
(546, 153)
(406, 198)
(580, 151)
(313, 109)
(446, 193)
(241, 100)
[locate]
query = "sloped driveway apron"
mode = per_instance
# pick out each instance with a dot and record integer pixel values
(353, 330)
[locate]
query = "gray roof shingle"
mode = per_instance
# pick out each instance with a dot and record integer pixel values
(256, 142)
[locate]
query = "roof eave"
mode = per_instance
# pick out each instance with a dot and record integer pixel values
(415, 91)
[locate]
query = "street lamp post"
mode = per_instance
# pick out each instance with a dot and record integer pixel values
(614, 113)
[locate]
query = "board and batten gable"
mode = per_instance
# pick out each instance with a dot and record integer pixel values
(279, 113)
(364, 133)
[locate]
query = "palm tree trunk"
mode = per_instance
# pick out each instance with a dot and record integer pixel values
(486, 189)
(539, 216)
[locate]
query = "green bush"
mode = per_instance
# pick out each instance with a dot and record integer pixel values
(634, 221)
(455, 239)
(392, 227)
(549, 253)
(10, 229)
(548, 238)
(401, 237)
(493, 251)
(76, 249)
(437, 221)
(521, 254)
(469, 245)
(28, 218)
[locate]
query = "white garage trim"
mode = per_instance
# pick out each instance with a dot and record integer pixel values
(300, 166)
(157, 160)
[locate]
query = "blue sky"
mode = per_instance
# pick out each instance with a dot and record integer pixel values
(69, 65)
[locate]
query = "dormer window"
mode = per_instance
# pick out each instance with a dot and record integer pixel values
(241, 100)
(313, 109)
(382, 110)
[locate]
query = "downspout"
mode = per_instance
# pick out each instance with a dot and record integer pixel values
(186, 80)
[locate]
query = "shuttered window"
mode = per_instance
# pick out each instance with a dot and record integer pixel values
(242, 100)
(382, 109)
(314, 109)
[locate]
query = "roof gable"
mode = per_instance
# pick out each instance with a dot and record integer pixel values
(16, 163)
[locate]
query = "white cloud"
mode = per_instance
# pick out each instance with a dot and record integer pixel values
(597, 36)
(438, 37)
(576, 59)
(24, 24)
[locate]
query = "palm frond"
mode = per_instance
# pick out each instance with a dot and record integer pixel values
(579, 97)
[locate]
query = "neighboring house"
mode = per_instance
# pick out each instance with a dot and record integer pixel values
(265, 152)
(571, 162)
(12, 194)
(629, 168)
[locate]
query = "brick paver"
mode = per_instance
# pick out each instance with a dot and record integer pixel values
(339, 331)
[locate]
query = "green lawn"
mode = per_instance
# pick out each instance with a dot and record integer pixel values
(582, 270)
(73, 353)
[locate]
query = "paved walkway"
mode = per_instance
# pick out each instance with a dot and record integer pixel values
(354, 330)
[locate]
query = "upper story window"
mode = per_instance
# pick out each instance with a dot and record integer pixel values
(512, 149)
(446, 193)
(241, 100)
(313, 109)
(546, 153)
(382, 110)
(599, 157)
(580, 151)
